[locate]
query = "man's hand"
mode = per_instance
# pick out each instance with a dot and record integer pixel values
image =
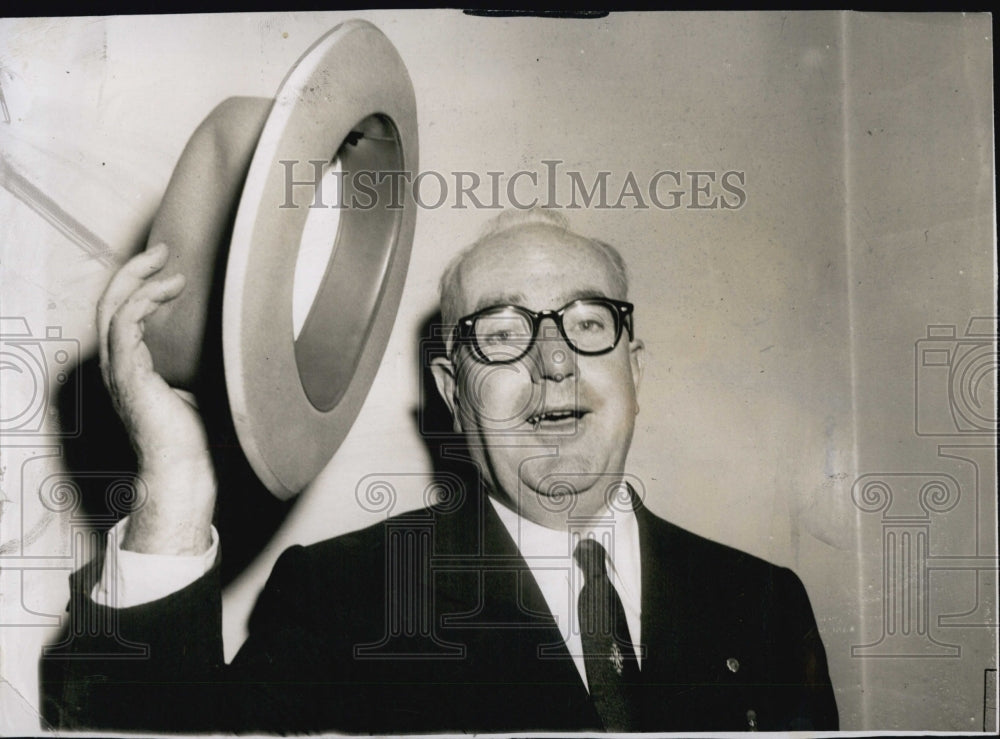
(162, 422)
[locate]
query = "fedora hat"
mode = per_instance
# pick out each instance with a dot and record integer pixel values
(241, 196)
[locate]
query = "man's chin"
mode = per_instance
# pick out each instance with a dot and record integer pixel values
(557, 477)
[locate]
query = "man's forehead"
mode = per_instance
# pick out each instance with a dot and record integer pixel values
(517, 264)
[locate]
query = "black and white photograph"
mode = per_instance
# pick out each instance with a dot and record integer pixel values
(441, 372)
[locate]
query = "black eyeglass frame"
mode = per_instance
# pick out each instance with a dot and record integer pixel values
(620, 309)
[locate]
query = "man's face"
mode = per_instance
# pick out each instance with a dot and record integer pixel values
(553, 422)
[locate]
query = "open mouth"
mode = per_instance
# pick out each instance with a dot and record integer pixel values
(556, 417)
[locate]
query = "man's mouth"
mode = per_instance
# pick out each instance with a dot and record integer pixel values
(556, 417)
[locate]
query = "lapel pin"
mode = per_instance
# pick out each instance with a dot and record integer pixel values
(733, 664)
(617, 661)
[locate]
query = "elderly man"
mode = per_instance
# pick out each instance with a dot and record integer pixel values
(543, 597)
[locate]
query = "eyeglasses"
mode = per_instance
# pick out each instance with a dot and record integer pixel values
(505, 333)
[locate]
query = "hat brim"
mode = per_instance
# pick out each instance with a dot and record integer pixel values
(293, 400)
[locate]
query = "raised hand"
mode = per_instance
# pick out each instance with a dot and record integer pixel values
(163, 423)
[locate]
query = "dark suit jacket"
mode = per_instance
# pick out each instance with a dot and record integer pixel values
(432, 621)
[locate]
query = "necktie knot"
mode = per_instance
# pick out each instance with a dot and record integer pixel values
(590, 556)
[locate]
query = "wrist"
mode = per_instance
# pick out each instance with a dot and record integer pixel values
(150, 533)
(175, 515)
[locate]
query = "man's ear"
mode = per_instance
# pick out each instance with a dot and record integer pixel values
(444, 377)
(637, 356)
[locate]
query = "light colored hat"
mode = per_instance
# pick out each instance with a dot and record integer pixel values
(293, 400)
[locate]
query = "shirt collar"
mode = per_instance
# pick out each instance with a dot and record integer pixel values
(539, 544)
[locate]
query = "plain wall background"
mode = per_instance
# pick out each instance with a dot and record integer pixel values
(780, 336)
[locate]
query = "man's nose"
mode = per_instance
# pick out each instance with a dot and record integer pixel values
(555, 359)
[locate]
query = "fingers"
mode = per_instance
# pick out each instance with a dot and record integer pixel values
(124, 352)
(126, 325)
(187, 396)
(125, 282)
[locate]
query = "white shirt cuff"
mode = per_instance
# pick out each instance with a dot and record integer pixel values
(132, 579)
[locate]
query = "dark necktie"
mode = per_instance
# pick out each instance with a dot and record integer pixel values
(607, 646)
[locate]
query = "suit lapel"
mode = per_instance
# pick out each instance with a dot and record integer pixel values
(487, 599)
(691, 679)
(680, 620)
(663, 597)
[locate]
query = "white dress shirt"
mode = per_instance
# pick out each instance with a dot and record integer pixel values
(132, 579)
(549, 555)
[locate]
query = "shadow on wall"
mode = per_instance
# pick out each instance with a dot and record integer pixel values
(447, 448)
(246, 515)
(101, 458)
